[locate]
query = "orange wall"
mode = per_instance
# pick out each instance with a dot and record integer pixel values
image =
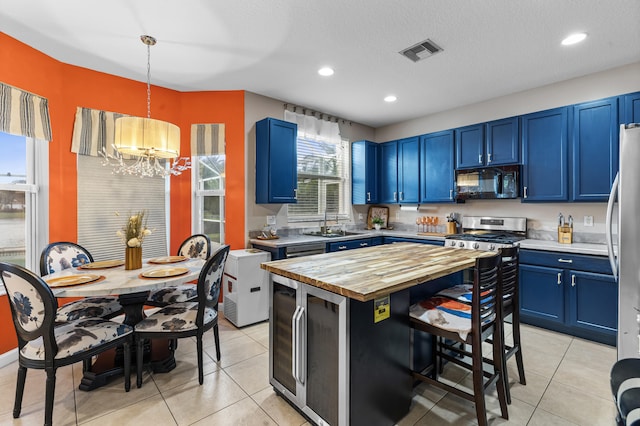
(67, 87)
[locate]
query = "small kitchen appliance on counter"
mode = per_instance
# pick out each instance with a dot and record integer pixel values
(488, 233)
(246, 287)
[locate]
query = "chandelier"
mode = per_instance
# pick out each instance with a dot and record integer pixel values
(151, 142)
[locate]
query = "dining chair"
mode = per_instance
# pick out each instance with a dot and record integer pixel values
(47, 345)
(196, 246)
(454, 322)
(191, 318)
(63, 255)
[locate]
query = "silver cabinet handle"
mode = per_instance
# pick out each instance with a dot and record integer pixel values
(295, 194)
(489, 158)
(364, 244)
(342, 247)
(525, 192)
(479, 158)
(368, 196)
(395, 196)
(565, 260)
(451, 194)
(559, 278)
(401, 196)
(573, 280)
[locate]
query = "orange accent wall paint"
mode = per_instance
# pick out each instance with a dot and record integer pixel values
(67, 87)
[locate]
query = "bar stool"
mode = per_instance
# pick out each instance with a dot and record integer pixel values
(625, 386)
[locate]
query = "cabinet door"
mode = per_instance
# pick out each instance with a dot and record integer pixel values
(503, 142)
(593, 302)
(544, 155)
(436, 167)
(408, 170)
(594, 149)
(389, 172)
(470, 146)
(348, 245)
(631, 108)
(364, 172)
(276, 161)
(542, 293)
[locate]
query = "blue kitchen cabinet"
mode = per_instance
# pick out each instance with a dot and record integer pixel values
(495, 143)
(502, 142)
(399, 171)
(276, 161)
(409, 170)
(389, 172)
(569, 293)
(594, 149)
(349, 245)
(470, 146)
(545, 155)
(391, 240)
(365, 159)
(437, 173)
(631, 108)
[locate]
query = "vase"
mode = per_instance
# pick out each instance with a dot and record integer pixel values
(377, 226)
(133, 258)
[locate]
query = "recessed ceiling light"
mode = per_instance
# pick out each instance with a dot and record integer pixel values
(574, 38)
(325, 71)
(390, 98)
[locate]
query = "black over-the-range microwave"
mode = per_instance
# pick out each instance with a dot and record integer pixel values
(487, 183)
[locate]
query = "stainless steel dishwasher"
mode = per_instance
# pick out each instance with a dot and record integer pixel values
(307, 249)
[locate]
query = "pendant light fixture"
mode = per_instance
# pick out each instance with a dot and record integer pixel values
(147, 139)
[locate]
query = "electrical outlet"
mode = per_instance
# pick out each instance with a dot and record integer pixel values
(588, 221)
(271, 220)
(360, 216)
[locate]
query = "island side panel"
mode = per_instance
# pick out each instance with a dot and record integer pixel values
(381, 386)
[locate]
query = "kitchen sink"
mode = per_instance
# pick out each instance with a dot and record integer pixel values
(334, 234)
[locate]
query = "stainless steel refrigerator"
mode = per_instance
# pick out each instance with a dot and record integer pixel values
(626, 265)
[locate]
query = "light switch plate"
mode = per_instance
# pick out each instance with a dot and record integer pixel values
(360, 216)
(588, 221)
(271, 220)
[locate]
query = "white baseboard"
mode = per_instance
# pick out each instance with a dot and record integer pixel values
(8, 357)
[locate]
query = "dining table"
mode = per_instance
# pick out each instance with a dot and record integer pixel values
(110, 278)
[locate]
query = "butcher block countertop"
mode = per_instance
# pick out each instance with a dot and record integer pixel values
(367, 273)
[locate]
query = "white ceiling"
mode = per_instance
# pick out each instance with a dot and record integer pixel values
(274, 48)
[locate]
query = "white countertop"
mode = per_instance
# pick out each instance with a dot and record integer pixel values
(577, 248)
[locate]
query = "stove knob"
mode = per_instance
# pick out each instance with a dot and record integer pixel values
(475, 246)
(453, 244)
(492, 247)
(460, 244)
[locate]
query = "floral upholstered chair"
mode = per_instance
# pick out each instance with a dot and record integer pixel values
(185, 319)
(63, 255)
(196, 246)
(47, 345)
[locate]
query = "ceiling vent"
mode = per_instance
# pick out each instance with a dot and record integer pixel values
(421, 51)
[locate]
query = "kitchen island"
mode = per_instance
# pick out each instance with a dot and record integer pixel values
(339, 329)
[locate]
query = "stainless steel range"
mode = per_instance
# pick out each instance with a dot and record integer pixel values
(488, 233)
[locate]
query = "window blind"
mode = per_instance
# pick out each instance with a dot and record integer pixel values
(101, 194)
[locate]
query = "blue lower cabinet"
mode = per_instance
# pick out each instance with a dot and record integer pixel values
(391, 240)
(573, 294)
(349, 245)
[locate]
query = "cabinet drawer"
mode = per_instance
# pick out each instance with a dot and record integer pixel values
(581, 262)
(348, 245)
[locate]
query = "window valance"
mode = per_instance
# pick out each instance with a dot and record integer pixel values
(23, 113)
(207, 139)
(93, 131)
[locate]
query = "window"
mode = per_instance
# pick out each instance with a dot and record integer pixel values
(323, 170)
(209, 183)
(23, 206)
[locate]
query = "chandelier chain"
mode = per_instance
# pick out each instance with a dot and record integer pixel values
(148, 81)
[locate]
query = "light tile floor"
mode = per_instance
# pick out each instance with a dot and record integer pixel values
(567, 384)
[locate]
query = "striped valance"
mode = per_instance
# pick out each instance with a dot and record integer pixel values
(207, 139)
(23, 113)
(93, 131)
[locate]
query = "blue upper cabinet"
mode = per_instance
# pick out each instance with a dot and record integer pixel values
(389, 172)
(436, 168)
(276, 161)
(594, 144)
(544, 155)
(470, 146)
(495, 143)
(408, 170)
(502, 145)
(365, 159)
(631, 108)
